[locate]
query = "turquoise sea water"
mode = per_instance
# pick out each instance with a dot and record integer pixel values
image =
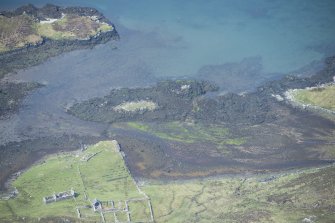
(179, 37)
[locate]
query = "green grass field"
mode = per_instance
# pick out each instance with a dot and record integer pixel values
(289, 197)
(104, 177)
(323, 97)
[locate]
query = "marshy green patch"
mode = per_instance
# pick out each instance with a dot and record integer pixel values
(190, 132)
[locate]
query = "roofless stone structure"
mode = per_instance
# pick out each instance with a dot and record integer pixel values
(59, 196)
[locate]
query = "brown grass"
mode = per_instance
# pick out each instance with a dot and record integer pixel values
(20, 31)
(17, 31)
(80, 26)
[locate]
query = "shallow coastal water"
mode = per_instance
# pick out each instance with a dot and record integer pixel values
(184, 36)
(237, 44)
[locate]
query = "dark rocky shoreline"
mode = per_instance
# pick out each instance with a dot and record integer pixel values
(33, 55)
(250, 108)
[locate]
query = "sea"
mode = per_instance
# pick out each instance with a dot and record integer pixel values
(238, 44)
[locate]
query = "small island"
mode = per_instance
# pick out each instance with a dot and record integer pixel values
(29, 35)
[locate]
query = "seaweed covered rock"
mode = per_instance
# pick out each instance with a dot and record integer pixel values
(11, 95)
(184, 100)
(171, 100)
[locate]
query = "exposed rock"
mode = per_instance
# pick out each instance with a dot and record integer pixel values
(292, 82)
(173, 99)
(310, 219)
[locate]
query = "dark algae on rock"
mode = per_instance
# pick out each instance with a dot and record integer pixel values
(187, 100)
(173, 100)
(11, 95)
(179, 100)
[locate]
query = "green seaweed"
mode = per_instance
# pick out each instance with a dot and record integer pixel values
(189, 133)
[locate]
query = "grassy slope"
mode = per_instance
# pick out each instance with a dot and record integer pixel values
(289, 198)
(323, 97)
(104, 177)
(19, 31)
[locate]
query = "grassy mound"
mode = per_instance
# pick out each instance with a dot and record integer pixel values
(323, 97)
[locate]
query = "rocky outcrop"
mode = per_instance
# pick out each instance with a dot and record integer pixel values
(233, 108)
(174, 101)
(292, 82)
